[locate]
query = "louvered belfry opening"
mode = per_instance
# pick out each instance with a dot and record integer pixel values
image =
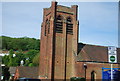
(59, 24)
(69, 27)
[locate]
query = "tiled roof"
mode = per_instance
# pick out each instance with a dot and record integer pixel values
(28, 72)
(94, 53)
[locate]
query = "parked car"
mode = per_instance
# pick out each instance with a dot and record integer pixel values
(28, 79)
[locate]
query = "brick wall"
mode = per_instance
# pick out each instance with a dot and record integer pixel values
(91, 66)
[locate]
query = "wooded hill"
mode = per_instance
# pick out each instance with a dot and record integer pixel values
(23, 43)
(26, 49)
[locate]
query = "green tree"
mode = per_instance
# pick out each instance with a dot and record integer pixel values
(5, 60)
(36, 60)
(14, 60)
(27, 62)
(29, 56)
(31, 65)
(17, 46)
(11, 52)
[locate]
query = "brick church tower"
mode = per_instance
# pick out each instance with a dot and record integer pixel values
(59, 42)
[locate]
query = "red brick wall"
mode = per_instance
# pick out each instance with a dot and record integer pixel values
(96, 67)
(46, 48)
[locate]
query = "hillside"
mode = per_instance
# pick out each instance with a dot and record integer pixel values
(20, 49)
(23, 43)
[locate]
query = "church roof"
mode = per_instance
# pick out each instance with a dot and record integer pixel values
(27, 72)
(94, 53)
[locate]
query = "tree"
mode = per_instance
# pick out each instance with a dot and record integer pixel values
(6, 73)
(5, 60)
(27, 62)
(30, 56)
(31, 65)
(36, 60)
(11, 52)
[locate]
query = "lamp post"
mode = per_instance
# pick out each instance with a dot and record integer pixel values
(85, 67)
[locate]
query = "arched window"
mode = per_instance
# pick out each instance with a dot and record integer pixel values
(47, 27)
(93, 76)
(59, 24)
(69, 26)
(69, 19)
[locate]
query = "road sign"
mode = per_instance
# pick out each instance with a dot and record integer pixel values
(106, 74)
(112, 54)
(112, 57)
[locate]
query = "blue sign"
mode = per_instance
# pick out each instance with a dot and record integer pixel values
(106, 74)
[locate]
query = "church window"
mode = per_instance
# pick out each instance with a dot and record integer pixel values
(47, 27)
(93, 76)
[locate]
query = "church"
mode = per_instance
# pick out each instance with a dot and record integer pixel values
(61, 56)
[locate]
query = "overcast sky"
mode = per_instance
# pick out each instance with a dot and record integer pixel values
(98, 20)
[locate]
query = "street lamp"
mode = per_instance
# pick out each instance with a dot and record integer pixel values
(85, 67)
